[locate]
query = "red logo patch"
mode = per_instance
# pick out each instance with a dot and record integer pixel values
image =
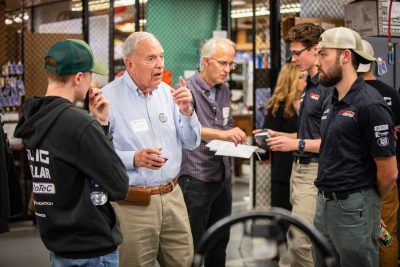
(346, 113)
(314, 96)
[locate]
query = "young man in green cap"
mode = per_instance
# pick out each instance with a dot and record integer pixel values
(72, 160)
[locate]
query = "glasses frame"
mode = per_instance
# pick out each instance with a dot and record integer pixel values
(232, 65)
(298, 53)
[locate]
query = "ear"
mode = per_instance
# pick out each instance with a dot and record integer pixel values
(128, 62)
(346, 56)
(205, 60)
(77, 78)
(314, 49)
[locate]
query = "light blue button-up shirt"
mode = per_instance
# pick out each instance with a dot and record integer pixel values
(138, 121)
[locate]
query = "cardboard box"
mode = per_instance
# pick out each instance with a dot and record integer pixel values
(244, 38)
(324, 23)
(370, 18)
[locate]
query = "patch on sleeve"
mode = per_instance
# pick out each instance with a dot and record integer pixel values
(381, 134)
(383, 141)
(383, 127)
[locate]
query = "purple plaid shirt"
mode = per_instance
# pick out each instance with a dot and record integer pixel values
(201, 163)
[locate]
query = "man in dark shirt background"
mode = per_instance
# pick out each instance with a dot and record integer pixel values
(390, 204)
(205, 177)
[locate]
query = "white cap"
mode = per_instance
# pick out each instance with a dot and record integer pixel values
(368, 48)
(344, 38)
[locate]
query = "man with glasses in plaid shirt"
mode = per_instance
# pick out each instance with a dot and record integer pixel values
(205, 177)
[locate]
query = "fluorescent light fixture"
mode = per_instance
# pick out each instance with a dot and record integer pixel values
(238, 2)
(263, 11)
(130, 26)
(102, 4)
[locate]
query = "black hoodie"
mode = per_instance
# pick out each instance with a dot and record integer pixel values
(67, 149)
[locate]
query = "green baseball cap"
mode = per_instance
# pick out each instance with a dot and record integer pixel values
(73, 56)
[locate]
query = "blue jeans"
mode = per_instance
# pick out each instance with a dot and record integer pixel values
(109, 260)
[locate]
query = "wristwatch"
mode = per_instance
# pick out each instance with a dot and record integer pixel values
(301, 145)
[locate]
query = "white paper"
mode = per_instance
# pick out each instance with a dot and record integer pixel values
(225, 148)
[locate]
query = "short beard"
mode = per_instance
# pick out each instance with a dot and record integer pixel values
(332, 78)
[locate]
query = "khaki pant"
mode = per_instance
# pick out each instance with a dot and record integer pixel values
(303, 196)
(160, 231)
(389, 207)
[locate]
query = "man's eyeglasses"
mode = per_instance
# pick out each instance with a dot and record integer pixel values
(297, 53)
(232, 65)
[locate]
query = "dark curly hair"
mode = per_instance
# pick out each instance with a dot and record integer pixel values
(305, 33)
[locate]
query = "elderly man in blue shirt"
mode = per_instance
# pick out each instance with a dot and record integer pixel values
(151, 123)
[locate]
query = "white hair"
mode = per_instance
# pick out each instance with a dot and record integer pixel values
(134, 39)
(210, 46)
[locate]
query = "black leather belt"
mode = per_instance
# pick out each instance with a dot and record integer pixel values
(304, 160)
(327, 196)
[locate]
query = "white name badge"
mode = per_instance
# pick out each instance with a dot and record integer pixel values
(139, 125)
(225, 112)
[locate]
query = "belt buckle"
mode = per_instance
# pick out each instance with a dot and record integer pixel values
(164, 187)
(161, 187)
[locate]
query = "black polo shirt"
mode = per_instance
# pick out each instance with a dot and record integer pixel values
(310, 113)
(354, 130)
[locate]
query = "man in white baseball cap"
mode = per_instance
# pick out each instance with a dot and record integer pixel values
(364, 68)
(390, 204)
(357, 163)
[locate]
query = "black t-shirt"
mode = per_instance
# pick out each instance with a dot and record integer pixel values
(392, 98)
(281, 162)
(310, 114)
(354, 130)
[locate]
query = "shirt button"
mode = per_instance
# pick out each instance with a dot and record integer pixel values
(214, 108)
(216, 119)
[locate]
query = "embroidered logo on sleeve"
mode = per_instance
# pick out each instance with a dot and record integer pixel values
(383, 141)
(383, 127)
(381, 133)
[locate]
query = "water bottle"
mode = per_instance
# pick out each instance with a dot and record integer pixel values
(384, 237)
(97, 195)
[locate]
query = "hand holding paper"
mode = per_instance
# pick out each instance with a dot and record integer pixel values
(225, 148)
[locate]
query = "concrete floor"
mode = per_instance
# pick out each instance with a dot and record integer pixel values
(22, 245)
